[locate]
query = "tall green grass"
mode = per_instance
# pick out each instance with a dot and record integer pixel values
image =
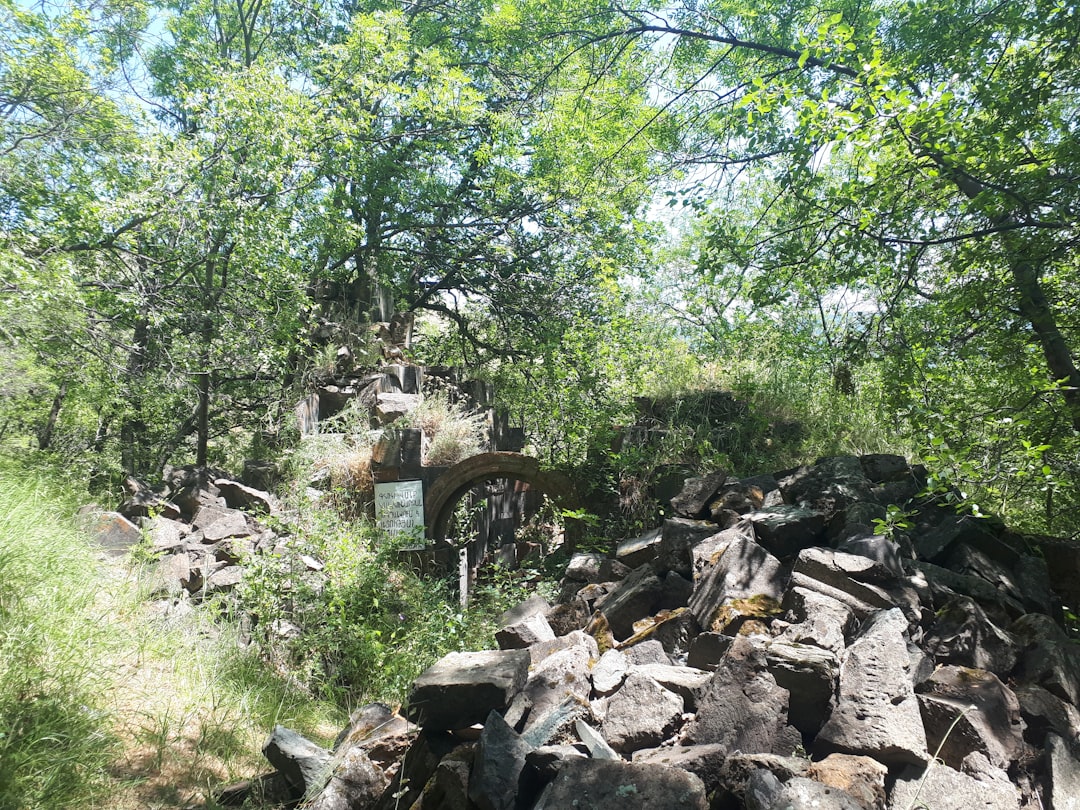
(55, 738)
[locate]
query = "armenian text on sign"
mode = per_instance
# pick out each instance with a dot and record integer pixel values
(399, 506)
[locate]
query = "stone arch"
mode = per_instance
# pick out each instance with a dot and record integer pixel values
(451, 486)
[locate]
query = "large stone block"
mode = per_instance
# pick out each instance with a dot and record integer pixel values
(462, 688)
(613, 785)
(642, 714)
(737, 569)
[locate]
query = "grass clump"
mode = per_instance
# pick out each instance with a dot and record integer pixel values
(451, 432)
(56, 739)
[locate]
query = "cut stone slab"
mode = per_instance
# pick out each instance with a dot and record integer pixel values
(534, 605)
(448, 788)
(1063, 760)
(877, 713)
(649, 651)
(634, 598)
(230, 523)
(305, 765)
(241, 496)
(613, 785)
(851, 574)
(642, 714)
(166, 535)
(946, 789)
(639, 550)
(743, 708)
(785, 530)
(463, 688)
(584, 567)
(696, 494)
(595, 743)
(966, 710)
(558, 723)
(417, 767)
(678, 537)
(500, 756)
(738, 569)
(677, 591)
(737, 768)
(862, 778)
(707, 650)
(704, 761)
(524, 633)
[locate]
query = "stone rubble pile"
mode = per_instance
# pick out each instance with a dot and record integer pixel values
(763, 649)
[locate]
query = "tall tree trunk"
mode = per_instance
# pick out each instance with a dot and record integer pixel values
(45, 437)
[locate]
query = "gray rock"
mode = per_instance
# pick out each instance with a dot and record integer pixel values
(524, 633)
(852, 574)
(817, 619)
(862, 778)
(577, 638)
(743, 708)
(676, 591)
(829, 486)
(567, 617)
(966, 710)
(114, 533)
(609, 673)
(688, 683)
(534, 605)
(649, 651)
(704, 761)
(557, 724)
(809, 675)
(462, 688)
(223, 580)
(696, 494)
(737, 769)
(882, 467)
(584, 567)
(785, 530)
(241, 496)
(639, 550)
(962, 634)
(305, 765)
(357, 782)
(678, 536)
(1063, 769)
(642, 714)
(595, 743)
(942, 788)
(166, 535)
(562, 674)
(707, 650)
(738, 569)
(634, 598)
(1049, 659)
(877, 713)
(934, 545)
(229, 523)
(765, 792)
(448, 788)
(884, 552)
(416, 769)
(500, 756)
(999, 606)
(542, 764)
(613, 785)
(169, 575)
(1044, 713)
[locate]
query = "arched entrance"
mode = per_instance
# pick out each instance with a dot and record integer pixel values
(452, 485)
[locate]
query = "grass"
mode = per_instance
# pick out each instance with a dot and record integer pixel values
(106, 703)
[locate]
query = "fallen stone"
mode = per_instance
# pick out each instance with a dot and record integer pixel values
(966, 710)
(115, 534)
(304, 764)
(166, 535)
(241, 496)
(765, 792)
(584, 567)
(1063, 770)
(639, 550)
(448, 787)
(707, 650)
(743, 708)
(676, 591)
(463, 688)
(688, 683)
(230, 523)
(738, 767)
(962, 634)
(558, 723)
(941, 788)
(1050, 659)
(1044, 713)
(817, 619)
(809, 675)
(883, 552)
(934, 545)
(877, 713)
(357, 781)
(852, 574)
(223, 580)
(524, 633)
(567, 617)
(649, 651)
(881, 467)
(829, 486)
(416, 769)
(595, 743)
(999, 606)
(738, 569)
(533, 606)
(500, 756)
(636, 596)
(642, 714)
(704, 761)
(609, 673)
(613, 785)
(678, 537)
(785, 530)
(862, 778)
(696, 494)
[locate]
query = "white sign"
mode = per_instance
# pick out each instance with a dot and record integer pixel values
(399, 507)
